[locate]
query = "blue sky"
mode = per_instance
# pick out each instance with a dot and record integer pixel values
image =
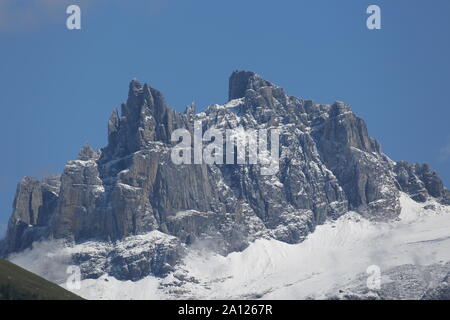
(58, 87)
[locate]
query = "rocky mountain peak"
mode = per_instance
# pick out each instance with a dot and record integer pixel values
(190, 110)
(145, 118)
(241, 81)
(113, 125)
(86, 153)
(338, 108)
(420, 181)
(142, 99)
(328, 165)
(135, 87)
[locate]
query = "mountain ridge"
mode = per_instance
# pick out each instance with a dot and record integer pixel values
(329, 165)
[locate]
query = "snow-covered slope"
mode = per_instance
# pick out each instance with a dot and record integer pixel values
(133, 212)
(333, 256)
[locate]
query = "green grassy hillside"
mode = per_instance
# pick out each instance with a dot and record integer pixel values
(17, 283)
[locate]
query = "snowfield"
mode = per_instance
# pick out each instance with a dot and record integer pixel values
(333, 256)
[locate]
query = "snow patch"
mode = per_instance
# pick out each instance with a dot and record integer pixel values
(334, 254)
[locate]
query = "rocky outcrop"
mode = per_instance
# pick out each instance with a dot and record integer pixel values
(404, 282)
(130, 259)
(361, 169)
(420, 182)
(439, 292)
(34, 205)
(328, 165)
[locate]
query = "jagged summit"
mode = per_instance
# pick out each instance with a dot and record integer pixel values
(86, 153)
(135, 87)
(144, 118)
(240, 81)
(131, 190)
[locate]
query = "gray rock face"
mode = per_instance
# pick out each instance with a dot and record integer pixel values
(440, 291)
(131, 259)
(361, 169)
(404, 282)
(328, 166)
(421, 182)
(33, 207)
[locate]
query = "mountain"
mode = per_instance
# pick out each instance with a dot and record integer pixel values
(19, 284)
(129, 211)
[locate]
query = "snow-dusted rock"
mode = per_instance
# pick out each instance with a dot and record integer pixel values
(328, 166)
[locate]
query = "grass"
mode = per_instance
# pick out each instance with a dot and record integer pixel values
(17, 283)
